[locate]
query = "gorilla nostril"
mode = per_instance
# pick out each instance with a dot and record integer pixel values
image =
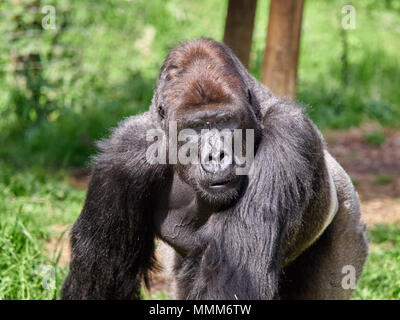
(221, 157)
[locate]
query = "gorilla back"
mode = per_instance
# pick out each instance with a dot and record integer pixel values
(289, 228)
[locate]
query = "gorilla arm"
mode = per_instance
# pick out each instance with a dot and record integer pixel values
(112, 241)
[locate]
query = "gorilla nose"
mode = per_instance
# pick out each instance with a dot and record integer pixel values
(216, 154)
(217, 163)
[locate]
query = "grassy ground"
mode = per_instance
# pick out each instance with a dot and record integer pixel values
(33, 202)
(381, 277)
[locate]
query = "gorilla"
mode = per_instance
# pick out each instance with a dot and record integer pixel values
(289, 229)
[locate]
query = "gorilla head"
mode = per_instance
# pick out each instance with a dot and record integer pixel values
(284, 231)
(199, 89)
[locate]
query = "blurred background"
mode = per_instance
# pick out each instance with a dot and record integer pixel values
(71, 70)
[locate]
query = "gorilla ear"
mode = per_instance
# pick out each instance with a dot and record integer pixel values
(161, 110)
(252, 99)
(249, 97)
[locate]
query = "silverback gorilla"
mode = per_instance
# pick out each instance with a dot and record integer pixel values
(290, 229)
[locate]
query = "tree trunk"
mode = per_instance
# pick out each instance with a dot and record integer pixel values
(239, 28)
(282, 47)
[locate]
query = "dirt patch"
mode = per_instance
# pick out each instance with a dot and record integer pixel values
(375, 170)
(58, 246)
(381, 211)
(79, 178)
(158, 279)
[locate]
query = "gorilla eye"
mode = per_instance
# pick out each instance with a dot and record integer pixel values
(161, 111)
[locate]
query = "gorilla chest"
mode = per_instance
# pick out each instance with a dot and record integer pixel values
(179, 214)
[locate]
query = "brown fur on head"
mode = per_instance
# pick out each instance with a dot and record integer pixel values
(198, 74)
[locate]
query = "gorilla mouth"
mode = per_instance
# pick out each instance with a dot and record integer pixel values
(226, 184)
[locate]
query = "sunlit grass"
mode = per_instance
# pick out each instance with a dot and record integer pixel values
(30, 202)
(381, 277)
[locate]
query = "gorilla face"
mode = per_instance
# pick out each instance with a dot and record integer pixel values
(217, 116)
(213, 175)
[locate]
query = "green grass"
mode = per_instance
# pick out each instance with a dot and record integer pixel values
(382, 180)
(381, 277)
(375, 138)
(32, 201)
(156, 295)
